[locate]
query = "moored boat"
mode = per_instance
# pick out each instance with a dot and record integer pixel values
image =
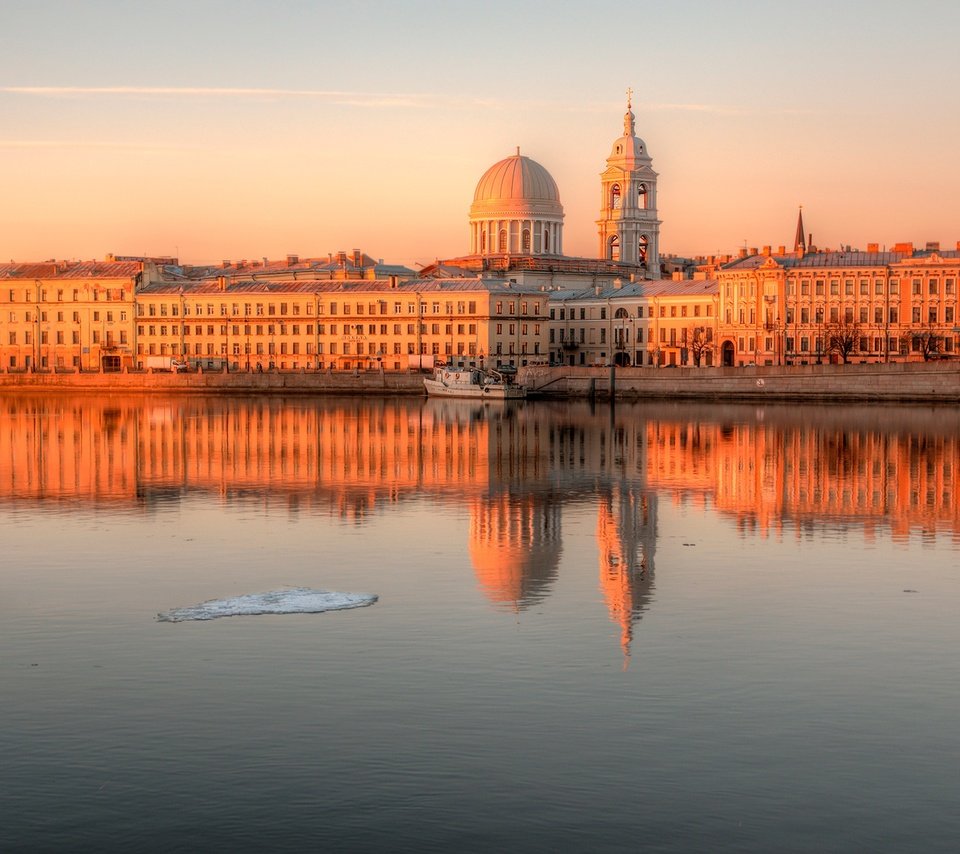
(485, 384)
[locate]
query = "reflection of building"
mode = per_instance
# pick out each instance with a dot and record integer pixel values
(627, 541)
(516, 469)
(515, 547)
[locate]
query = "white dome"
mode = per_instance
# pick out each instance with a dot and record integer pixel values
(517, 185)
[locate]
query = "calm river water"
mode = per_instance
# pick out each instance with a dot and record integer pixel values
(650, 627)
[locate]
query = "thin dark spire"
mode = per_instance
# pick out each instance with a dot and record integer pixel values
(800, 241)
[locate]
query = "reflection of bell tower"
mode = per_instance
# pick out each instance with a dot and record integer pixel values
(628, 227)
(515, 548)
(627, 538)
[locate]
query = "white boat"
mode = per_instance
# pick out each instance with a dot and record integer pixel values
(473, 383)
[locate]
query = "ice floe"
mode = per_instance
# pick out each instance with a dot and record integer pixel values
(295, 600)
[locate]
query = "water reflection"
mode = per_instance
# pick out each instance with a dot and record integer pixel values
(513, 470)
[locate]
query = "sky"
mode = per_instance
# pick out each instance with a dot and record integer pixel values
(247, 129)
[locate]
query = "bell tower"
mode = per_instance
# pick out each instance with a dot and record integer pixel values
(628, 227)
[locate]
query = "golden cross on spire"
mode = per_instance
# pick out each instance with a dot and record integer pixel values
(629, 97)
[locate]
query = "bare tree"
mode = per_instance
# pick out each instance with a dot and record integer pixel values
(699, 343)
(927, 342)
(842, 337)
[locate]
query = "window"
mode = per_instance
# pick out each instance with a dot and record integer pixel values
(613, 251)
(615, 200)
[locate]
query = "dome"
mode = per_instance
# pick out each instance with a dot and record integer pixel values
(516, 210)
(517, 184)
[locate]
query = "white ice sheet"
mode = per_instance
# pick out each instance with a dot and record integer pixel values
(295, 600)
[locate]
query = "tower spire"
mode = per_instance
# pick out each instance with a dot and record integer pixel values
(629, 128)
(800, 242)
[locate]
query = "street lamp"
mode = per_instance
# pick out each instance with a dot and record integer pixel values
(819, 334)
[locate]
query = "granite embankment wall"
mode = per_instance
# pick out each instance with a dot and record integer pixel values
(210, 382)
(933, 381)
(930, 382)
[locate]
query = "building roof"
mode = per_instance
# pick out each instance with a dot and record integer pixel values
(853, 258)
(643, 290)
(71, 270)
(383, 287)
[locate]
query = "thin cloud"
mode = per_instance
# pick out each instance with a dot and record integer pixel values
(357, 99)
(91, 144)
(372, 100)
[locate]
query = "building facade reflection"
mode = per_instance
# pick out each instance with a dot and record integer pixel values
(515, 471)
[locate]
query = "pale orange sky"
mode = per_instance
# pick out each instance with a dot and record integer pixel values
(239, 130)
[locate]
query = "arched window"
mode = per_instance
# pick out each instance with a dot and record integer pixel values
(621, 312)
(546, 240)
(502, 242)
(615, 197)
(614, 248)
(642, 197)
(525, 241)
(642, 250)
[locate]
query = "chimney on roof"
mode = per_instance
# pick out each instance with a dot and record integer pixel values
(742, 253)
(781, 250)
(394, 280)
(767, 251)
(754, 250)
(356, 257)
(225, 263)
(342, 259)
(873, 247)
(293, 260)
(933, 246)
(264, 259)
(905, 248)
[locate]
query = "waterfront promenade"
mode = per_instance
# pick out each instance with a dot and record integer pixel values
(937, 382)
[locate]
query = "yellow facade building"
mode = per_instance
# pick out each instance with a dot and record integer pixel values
(805, 307)
(318, 324)
(61, 315)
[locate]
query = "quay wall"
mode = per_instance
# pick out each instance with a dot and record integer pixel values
(210, 382)
(933, 381)
(920, 382)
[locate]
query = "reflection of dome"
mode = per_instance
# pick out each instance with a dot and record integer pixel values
(516, 209)
(515, 549)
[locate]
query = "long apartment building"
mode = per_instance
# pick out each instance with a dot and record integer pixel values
(316, 324)
(790, 308)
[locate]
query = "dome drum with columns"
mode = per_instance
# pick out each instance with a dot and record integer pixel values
(516, 210)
